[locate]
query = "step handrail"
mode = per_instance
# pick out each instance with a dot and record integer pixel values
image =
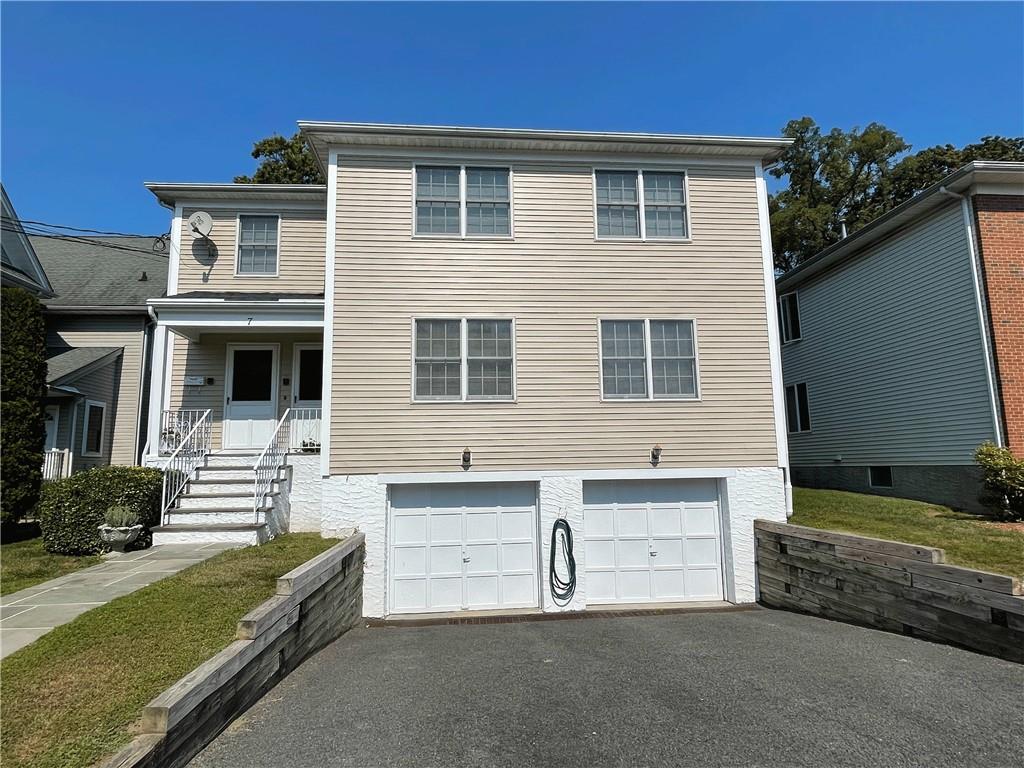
(267, 465)
(187, 457)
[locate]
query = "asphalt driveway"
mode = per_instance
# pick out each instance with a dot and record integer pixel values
(756, 688)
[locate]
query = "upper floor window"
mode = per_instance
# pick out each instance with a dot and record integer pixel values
(789, 317)
(257, 245)
(463, 359)
(648, 359)
(798, 412)
(645, 205)
(461, 201)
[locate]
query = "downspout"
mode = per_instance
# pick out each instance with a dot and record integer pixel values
(145, 382)
(982, 310)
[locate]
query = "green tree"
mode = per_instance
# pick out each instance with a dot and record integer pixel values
(283, 161)
(23, 377)
(854, 177)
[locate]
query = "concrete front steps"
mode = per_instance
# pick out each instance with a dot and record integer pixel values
(217, 505)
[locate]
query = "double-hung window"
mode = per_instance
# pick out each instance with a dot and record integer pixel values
(648, 360)
(789, 317)
(257, 245)
(463, 201)
(798, 411)
(463, 359)
(92, 430)
(640, 205)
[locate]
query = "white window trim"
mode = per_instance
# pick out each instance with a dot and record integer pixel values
(238, 243)
(85, 427)
(643, 238)
(785, 403)
(463, 235)
(892, 477)
(648, 363)
(782, 317)
(463, 363)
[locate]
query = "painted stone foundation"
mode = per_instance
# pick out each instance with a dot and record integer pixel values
(956, 486)
(360, 502)
(304, 496)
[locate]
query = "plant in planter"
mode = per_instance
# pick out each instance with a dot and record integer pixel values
(120, 527)
(311, 446)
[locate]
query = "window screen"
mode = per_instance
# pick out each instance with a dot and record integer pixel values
(438, 359)
(673, 362)
(618, 204)
(257, 245)
(94, 429)
(489, 359)
(789, 317)
(487, 201)
(664, 209)
(437, 200)
(252, 375)
(623, 359)
(311, 374)
(798, 413)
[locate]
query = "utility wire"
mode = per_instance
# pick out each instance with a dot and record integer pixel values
(85, 241)
(76, 229)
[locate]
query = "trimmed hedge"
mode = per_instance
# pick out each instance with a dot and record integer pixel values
(1003, 481)
(22, 431)
(72, 509)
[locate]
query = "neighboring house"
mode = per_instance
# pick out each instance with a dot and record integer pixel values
(468, 333)
(19, 265)
(98, 332)
(903, 345)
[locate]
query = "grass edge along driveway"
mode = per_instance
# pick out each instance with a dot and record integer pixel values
(72, 697)
(971, 541)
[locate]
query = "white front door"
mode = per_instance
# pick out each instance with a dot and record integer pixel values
(463, 546)
(250, 403)
(307, 394)
(652, 541)
(52, 421)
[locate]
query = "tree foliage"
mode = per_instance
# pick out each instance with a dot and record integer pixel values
(283, 161)
(854, 177)
(22, 431)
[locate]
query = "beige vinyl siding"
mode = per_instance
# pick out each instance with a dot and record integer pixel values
(99, 385)
(301, 247)
(128, 332)
(209, 359)
(556, 281)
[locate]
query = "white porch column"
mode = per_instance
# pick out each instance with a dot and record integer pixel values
(157, 378)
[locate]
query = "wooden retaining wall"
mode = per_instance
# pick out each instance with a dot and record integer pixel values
(890, 585)
(315, 603)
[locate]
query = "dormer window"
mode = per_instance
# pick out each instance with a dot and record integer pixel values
(257, 245)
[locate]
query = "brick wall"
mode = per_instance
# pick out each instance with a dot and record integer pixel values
(1000, 223)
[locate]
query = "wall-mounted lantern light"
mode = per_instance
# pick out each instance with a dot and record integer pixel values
(467, 458)
(655, 455)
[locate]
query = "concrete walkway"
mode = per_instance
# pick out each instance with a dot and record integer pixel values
(27, 615)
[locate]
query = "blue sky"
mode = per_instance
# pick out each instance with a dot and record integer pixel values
(98, 98)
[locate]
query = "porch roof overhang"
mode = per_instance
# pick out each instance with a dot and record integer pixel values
(191, 316)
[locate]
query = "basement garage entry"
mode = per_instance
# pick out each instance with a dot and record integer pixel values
(652, 541)
(462, 546)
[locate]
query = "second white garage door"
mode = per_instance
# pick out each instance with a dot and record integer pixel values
(462, 546)
(652, 541)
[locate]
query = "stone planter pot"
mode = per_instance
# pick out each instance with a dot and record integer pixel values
(119, 538)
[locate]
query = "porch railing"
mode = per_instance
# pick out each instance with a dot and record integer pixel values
(175, 425)
(186, 458)
(56, 464)
(269, 462)
(304, 430)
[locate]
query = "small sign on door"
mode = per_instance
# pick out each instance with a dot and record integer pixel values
(194, 381)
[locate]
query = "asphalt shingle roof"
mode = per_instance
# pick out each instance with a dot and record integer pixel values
(89, 274)
(64, 361)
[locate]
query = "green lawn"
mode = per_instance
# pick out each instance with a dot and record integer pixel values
(969, 540)
(25, 563)
(72, 697)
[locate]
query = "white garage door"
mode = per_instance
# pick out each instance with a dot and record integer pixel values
(455, 546)
(651, 541)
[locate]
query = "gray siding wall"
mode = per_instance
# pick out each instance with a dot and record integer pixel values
(892, 354)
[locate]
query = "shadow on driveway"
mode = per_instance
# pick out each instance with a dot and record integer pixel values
(758, 688)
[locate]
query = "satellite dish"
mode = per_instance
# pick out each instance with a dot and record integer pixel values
(200, 224)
